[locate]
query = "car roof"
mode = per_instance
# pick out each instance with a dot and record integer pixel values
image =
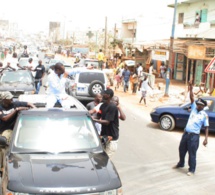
(39, 100)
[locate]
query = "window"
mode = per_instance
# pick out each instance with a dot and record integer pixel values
(89, 77)
(204, 13)
(180, 18)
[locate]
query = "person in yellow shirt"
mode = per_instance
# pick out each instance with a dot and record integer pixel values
(100, 58)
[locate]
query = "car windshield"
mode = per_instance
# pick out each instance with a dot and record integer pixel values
(94, 63)
(42, 133)
(24, 62)
(54, 61)
(16, 76)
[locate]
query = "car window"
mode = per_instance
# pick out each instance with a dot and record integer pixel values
(55, 61)
(16, 76)
(42, 133)
(94, 63)
(89, 77)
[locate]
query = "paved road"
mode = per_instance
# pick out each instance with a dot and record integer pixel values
(146, 155)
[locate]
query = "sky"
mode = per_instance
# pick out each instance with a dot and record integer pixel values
(33, 16)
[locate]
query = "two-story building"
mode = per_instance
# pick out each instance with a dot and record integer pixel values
(146, 36)
(194, 43)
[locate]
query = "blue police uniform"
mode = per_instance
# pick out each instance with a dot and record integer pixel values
(190, 138)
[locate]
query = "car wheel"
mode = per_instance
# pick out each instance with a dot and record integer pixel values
(167, 122)
(96, 87)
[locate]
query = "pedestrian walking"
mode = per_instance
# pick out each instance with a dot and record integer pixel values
(126, 77)
(40, 73)
(109, 119)
(117, 80)
(134, 82)
(144, 87)
(162, 70)
(190, 138)
(100, 58)
(2, 56)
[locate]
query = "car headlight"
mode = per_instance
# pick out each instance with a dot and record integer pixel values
(29, 92)
(153, 110)
(17, 193)
(112, 192)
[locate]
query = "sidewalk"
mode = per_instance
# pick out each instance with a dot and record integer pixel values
(176, 91)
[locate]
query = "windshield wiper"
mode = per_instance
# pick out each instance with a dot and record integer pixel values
(36, 152)
(64, 152)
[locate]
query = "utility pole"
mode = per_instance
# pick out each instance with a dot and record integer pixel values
(170, 53)
(105, 41)
(114, 39)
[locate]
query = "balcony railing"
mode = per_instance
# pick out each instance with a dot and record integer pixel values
(188, 25)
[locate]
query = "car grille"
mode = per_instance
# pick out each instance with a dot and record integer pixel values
(17, 93)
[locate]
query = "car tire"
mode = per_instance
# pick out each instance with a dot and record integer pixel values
(96, 87)
(167, 122)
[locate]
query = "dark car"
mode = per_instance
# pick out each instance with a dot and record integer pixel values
(171, 116)
(57, 151)
(17, 82)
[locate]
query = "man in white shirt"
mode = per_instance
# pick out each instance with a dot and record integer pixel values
(56, 90)
(13, 62)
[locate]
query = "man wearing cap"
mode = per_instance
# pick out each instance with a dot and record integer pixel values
(8, 112)
(190, 139)
(108, 118)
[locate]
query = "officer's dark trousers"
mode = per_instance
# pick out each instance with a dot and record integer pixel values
(189, 143)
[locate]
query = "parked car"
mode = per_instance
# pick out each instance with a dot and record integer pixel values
(17, 82)
(85, 84)
(87, 62)
(171, 116)
(44, 158)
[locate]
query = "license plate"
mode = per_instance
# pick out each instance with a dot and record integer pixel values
(80, 88)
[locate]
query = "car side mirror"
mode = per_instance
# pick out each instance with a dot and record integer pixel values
(187, 108)
(3, 141)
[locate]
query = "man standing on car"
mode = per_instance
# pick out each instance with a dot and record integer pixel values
(56, 87)
(40, 73)
(109, 119)
(190, 139)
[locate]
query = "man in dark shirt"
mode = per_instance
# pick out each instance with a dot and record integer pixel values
(126, 77)
(40, 73)
(109, 119)
(9, 110)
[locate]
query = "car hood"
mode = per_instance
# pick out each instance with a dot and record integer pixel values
(169, 106)
(66, 173)
(17, 87)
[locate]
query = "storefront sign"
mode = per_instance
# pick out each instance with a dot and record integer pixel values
(160, 55)
(196, 52)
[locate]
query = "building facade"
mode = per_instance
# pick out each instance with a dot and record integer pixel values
(194, 44)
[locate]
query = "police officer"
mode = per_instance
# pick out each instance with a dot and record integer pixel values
(190, 139)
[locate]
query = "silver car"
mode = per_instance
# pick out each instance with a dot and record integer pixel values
(85, 84)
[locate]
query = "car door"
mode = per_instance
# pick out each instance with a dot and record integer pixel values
(83, 84)
(183, 115)
(210, 110)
